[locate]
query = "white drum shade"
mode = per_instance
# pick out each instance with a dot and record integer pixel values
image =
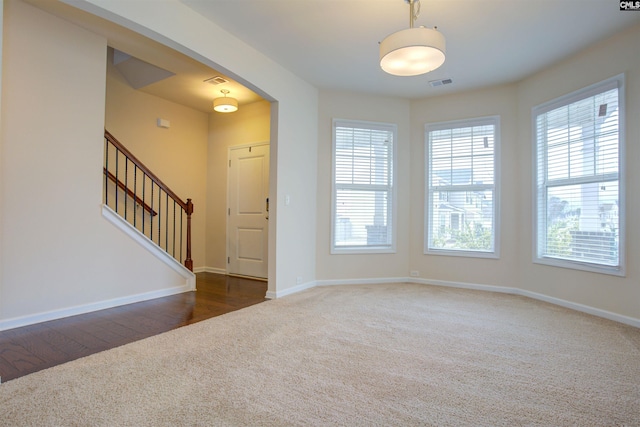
(412, 51)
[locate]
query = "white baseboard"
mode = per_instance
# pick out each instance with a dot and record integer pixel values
(583, 308)
(370, 281)
(188, 285)
(17, 322)
(463, 285)
(298, 288)
(43, 317)
(336, 282)
(534, 295)
(210, 270)
(475, 286)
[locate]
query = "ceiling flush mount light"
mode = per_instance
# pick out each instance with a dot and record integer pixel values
(412, 51)
(225, 104)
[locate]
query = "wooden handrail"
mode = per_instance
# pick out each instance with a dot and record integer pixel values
(145, 169)
(130, 193)
(186, 206)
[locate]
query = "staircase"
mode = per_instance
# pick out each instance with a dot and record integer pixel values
(139, 197)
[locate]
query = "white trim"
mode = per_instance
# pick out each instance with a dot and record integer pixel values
(210, 270)
(463, 253)
(464, 285)
(615, 82)
(335, 282)
(17, 322)
(299, 288)
(392, 210)
(584, 266)
(370, 281)
(582, 308)
(360, 250)
(43, 317)
(619, 82)
(129, 230)
(627, 320)
(247, 145)
(144, 241)
(495, 187)
(533, 295)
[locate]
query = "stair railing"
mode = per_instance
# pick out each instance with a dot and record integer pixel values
(143, 200)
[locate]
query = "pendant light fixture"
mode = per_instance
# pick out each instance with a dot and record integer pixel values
(412, 51)
(225, 104)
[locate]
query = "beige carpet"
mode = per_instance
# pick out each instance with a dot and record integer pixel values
(388, 355)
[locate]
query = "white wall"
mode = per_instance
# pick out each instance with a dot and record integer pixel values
(250, 124)
(620, 54)
(353, 106)
(294, 118)
(177, 155)
(1, 150)
(296, 177)
(59, 253)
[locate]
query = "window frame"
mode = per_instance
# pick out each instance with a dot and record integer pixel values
(538, 234)
(428, 212)
(392, 202)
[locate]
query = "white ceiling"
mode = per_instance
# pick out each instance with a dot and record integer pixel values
(334, 44)
(186, 86)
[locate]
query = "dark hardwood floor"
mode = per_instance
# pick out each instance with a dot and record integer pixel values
(33, 348)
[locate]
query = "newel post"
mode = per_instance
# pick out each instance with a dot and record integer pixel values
(189, 262)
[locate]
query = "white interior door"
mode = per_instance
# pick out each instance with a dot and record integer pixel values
(248, 211)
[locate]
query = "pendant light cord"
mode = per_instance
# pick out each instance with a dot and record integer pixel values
(414, 11)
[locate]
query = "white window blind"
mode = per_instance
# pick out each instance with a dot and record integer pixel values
(363, 195)
(578, 184)
(462, 200)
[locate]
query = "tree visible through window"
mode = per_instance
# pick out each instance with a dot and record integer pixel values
(578, 185)
(363, 192)
(461, 201)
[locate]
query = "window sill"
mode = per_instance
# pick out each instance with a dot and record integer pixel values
(466, 254)
(577, 265)
(362, 251)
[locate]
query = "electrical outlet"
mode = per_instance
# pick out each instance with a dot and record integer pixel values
(414, 273)
(299, 280)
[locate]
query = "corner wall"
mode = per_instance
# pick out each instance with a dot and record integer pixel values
(294, 121)
(60, 256)
(515, 271)
(619, 54)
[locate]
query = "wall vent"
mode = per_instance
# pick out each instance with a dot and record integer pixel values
(436, 83)
(216, 80)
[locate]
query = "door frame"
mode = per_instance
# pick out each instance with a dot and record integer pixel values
(227, 231)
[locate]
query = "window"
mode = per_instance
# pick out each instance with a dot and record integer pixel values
(462, 192)
(579, 215)
(363, 196)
